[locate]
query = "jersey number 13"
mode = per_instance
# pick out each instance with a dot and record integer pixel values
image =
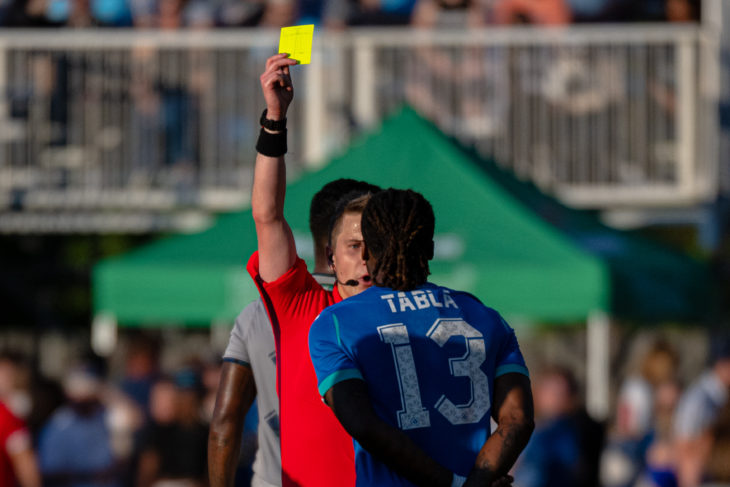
(413, 414)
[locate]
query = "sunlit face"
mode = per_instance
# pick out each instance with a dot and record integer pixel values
(347, 262)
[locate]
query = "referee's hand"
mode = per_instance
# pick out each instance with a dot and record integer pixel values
(277, 86)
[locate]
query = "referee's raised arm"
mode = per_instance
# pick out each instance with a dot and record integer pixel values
(277, 252)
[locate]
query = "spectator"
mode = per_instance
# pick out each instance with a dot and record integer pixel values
(18, 465)
(544, 12)
(278, 13)
(625, 458)
(234, 13)
(682, 10)
(558, 452)
(141, 369)
(660, 470)
(699, 409)
(75, 447)
(341, 13)
(635, 410)
(174, 448)
(23, 13)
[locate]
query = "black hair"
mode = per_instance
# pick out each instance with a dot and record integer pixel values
(397, 226)
(325, 201)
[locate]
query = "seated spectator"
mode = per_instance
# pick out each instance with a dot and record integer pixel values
(544, 12)
(636, 413)
(141, 370)
(660, 469)
(23, 13)
(565, 446)
(235, 13)
(340, 13)
(174, 449)
(278, 13)
(448, 14)
(75, 447)
(682, 10)
(587, 10)
(698, 411)
(18, 465)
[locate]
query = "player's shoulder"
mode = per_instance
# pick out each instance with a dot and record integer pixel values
(464, 297)
(468, 300)
(253, 310)
(252, 317)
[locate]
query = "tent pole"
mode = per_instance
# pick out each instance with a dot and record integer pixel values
(598, 365)
(104, 334)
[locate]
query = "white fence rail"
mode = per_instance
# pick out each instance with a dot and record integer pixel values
(101, 121)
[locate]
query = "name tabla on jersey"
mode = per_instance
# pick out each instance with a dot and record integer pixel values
(418, 299)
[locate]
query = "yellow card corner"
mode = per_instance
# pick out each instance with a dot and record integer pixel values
(297, 41)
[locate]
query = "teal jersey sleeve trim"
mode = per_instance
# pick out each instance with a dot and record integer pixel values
(339, 376)
(510, 368)
(236, 361)
(337, 329)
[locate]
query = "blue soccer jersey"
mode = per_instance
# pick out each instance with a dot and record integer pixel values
(429, 357)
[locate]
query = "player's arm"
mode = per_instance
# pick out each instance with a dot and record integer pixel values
(350, 401)
(513, 412)
(277, 252)
(236, 392)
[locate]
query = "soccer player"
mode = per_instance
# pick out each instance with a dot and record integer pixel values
(249, 363)
(414, 371)
(315, 449)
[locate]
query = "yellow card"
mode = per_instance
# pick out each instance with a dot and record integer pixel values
(297, 41)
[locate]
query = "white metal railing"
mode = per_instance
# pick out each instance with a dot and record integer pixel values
(146, 121)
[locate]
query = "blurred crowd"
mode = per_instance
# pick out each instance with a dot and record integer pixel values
(662, 433)
(334, 14)
(148, 427)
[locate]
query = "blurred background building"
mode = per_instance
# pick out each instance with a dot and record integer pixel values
(127, 126)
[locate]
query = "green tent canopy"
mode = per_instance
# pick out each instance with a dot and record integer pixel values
(487, 242)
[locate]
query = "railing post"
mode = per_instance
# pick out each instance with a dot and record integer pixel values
(3, 82)
(686, 116)
(364, 78)
(598, 365)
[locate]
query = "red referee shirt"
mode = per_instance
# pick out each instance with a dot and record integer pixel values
(13, 439)
(315, 449)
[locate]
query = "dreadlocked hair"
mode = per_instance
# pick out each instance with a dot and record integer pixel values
(397, 226)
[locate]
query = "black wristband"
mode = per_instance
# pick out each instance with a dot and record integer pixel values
(271, 145)
(273, 125)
